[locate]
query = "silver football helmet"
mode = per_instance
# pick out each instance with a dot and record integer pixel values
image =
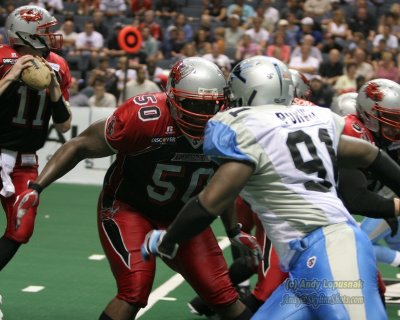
(30, 26)
(258, 81)
(302, 88)
(378, 105)
(345, 104)
(195, 89)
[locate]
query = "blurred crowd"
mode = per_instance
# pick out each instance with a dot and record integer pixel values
(337, 44)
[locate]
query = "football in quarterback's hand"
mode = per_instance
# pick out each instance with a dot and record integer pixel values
(37, 76)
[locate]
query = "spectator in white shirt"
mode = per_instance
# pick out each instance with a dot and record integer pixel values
(141, 85)
(219, 59)
(305, 63)
(101, 98)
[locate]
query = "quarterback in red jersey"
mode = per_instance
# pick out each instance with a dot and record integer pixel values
(25, 113)
(159, 165)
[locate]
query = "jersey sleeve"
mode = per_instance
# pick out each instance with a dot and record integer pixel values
(60, 67)
(355, 128)
(65, 75)
(127, 131)
(225, 141)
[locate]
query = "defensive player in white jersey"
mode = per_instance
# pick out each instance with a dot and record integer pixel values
(282, 159)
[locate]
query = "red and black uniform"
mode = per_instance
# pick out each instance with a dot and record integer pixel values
(270, 276)
(24, 120)
(156, 171)
(352, 182)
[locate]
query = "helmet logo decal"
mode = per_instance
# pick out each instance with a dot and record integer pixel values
(31, 15)
(373, 92)
(180, 71)
(237, 72)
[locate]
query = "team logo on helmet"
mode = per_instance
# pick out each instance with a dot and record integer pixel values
(180, 71)
(373, 92)
(31, 15)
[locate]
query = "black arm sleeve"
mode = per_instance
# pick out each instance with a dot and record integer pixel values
(387, 171)
(59, 111)
(191, 220)
(353, 189)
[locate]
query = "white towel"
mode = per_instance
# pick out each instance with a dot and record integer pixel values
(7, 163)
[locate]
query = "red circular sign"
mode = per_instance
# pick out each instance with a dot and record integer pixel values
(130, 39)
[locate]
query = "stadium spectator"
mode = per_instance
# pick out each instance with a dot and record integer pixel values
(101, 98)
(100, 25)
(206, 24)
(386, 68)
(166, 10)
(188, 50)
(124, 73)
(215, 9)
(279, 49)
(308, 40)
(293, 8)
(247, 48)
(258, 33)
(150, 45)
(392, 43)
(362, 22)
(150, 22)
(202, 42)
(89, 46)
(87, 7)
(321, 93)
(133, 200)
(139, 7)
(181, 23)
(53, 6)
(26, 114)
(331, 69)
(76, 97)
(104, 74)
(308, 28)
(317, 9)
(113, 8)
(69, 37)
(153, 72)
(338, 27)
(244, 10)
(233, 32)
(364, 68)
(347, 82)
(221, 60)
(173, 43)
(305, 63)
(290, 29)
(329, 43)
(140, 86)
(269, 14)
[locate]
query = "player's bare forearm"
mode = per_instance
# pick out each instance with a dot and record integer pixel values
(225, 186)
(355, 153)
(229, 217)
(89, 144)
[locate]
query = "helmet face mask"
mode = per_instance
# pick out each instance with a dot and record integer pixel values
(30, 26)
(260, 80)
(378, 105)
(195, 91)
